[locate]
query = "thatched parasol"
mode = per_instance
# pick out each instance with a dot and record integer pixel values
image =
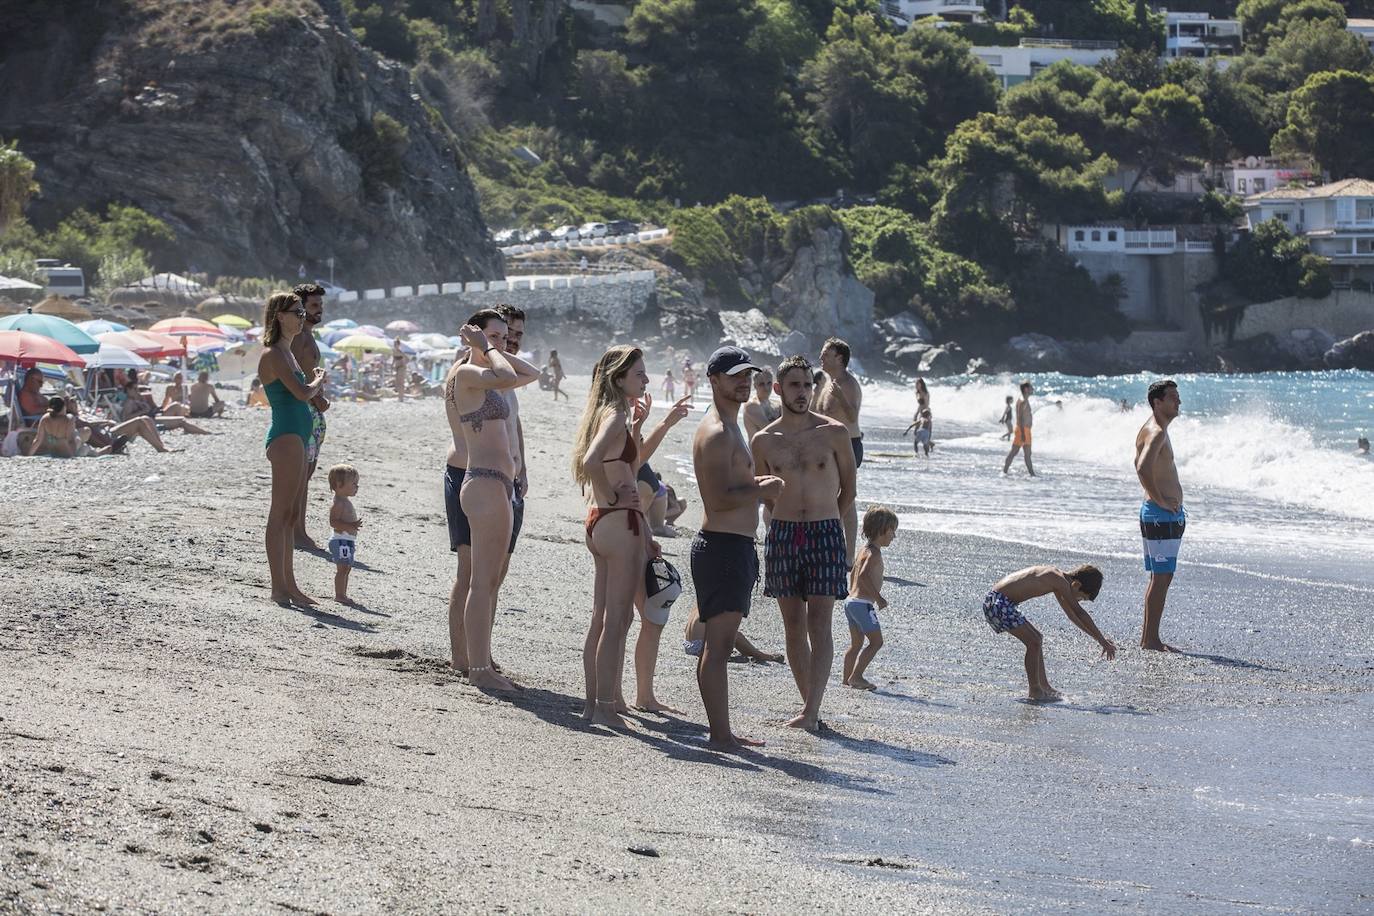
(234, 305)
(63, 307)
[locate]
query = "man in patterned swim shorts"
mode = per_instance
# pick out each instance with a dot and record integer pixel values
(1069, 588)
(307, 352)
(805, 553)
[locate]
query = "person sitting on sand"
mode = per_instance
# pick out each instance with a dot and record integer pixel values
(607, 452)
(203, 399)
(256, 396)
(343, 518)
(32, 405)
(1002, 614)
(175, 400)
(289, 394)
(473, 393)
(138, 402)
(865, 596)
(112, 438)
(56, 433)
(694, 640)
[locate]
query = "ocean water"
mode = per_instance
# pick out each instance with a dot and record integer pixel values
(1233, 778)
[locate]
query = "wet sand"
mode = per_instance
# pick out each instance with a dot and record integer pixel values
(172, 741)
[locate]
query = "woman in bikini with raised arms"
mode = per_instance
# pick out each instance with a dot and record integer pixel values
(288, 392)
(606, 455)
(472, 389)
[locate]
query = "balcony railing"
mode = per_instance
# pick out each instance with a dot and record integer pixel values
(1079, 44)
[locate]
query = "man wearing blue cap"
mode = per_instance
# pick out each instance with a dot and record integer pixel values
(725, 565)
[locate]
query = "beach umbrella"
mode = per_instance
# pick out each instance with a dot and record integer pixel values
(400, 326)
(101, 326)
(369, 329)
(253, 333)
(234, 321)
(58, 329)
(341, 323)
(335, 335)
(16, 284)
(113, 356)
(197, 343)
(28, 349)
(145, 343)
(240, 360)
(456, 341)
(179, 326)
(361, 343)
(328, 354)
(232, 334)
(429, 341)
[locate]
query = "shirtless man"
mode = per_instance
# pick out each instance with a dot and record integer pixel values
(760, 410)
(1021, 436)
(839, 398)
(725, 566)
(306, 350)
(205, 401)
(1162, 517)
(804, 554)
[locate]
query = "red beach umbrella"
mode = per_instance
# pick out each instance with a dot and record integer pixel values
(27, 349)
(179, 326)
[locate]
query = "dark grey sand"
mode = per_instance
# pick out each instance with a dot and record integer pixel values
(171, 741)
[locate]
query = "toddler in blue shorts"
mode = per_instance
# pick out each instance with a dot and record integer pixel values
(343, 518)
(865, 596)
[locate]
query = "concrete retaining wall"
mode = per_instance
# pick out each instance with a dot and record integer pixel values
(1344, 313)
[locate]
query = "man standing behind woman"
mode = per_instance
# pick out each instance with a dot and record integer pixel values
(805, 551)
(289, 394)
(839, 397)
(472, 392)
(306, 350)
(606, 456)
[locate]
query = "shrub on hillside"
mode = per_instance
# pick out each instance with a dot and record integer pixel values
(1270, 263)
(700, 242)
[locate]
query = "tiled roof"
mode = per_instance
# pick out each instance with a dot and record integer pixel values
(1349, 187)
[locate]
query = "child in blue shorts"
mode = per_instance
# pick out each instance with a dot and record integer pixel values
(865, 596)
(343, 518)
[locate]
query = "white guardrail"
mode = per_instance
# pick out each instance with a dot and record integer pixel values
(569, 281)
(603, 242)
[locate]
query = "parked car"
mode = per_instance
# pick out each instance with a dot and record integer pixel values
(62, 279)
(565, 234)
(534, 236)
(592, 230)
(621, 227)
(507, 237)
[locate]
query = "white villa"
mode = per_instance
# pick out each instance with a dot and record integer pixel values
(905, 12)
(1337, 220)
(1364, 28)
(1016, 65)
(1199, 35)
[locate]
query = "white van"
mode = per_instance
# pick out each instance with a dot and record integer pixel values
(62, 279)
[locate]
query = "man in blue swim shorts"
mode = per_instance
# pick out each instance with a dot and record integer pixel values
(1162, 517)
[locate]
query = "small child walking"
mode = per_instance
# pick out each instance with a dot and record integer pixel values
(923, 424)
(865, 596)
(1007, 418)
(1002, 614)
(343, 518)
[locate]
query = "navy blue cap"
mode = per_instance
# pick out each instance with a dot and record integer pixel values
(729, 360)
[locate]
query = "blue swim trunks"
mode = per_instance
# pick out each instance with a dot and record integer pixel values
(862, 614)
(342, 550)
(1162, 533)
(1001, 612)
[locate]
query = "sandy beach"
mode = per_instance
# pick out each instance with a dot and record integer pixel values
(171, 741)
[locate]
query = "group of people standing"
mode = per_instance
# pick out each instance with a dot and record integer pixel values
(795, 462)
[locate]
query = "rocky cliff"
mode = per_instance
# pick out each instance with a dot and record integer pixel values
(263, 134)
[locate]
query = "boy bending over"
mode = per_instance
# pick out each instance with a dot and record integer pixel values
(1068, 588)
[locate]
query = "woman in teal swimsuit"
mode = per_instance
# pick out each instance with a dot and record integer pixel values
(289, 394)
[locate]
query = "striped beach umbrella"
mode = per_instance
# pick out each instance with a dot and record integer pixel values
(52, 327)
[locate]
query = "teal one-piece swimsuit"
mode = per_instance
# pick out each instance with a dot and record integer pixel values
(290, 415)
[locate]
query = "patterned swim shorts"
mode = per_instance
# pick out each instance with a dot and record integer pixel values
(312, 448)
(806, 559)
(1001, 613)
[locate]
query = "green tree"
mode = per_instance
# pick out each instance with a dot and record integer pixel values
(16, 183)
(1270, 263)
(1170, 133)
(1266, 21)
(1332, 118)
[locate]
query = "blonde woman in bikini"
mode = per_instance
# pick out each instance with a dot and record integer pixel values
(606, 456)
(473, 390)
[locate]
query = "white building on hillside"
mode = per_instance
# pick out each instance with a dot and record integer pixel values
(905, 12)
(1337, 220)
(1016, 65)
(1199, 35)
(1364, 28)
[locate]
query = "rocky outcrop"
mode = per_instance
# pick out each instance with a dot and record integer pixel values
(1352, 353)
(265, 140)
(1037, 352)
(820, 297)
(947, 359)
